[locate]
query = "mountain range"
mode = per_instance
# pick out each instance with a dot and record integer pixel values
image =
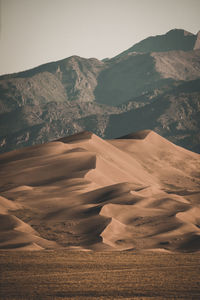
(153, 85)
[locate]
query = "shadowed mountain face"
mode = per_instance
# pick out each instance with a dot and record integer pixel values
(137, 192)
(174, 114)
(154, 84)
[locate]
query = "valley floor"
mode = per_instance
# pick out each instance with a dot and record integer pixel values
(64, 274)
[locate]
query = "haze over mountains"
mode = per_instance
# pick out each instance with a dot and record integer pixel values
(153, 85)
(139, 192)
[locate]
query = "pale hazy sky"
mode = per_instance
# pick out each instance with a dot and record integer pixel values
(34, 32)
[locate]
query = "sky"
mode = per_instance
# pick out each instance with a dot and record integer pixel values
(34, 32)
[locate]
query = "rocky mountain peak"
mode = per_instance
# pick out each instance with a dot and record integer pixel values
(175, 39)
(177, 31)
(197, 43)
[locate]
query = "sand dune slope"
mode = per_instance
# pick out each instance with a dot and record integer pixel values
(138, 192)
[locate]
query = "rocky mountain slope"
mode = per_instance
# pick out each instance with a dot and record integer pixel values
(138, 192)
(174, 114)
(175, 39)
(154, 84)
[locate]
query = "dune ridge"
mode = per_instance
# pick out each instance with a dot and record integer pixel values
(138, 192)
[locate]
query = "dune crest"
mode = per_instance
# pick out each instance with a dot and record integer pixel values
(138, 192)
(140, 135)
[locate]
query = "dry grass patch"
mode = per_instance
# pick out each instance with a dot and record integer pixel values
(104, 275)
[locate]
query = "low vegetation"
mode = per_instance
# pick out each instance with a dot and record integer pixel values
(103, 275)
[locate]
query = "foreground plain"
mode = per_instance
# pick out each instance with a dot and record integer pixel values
(66, 274)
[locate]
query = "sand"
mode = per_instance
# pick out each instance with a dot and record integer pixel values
(137, 192)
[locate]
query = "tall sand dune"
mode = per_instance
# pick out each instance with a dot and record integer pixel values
(137, 192)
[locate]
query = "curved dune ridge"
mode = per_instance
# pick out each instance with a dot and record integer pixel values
(140, 135)
(137, 192)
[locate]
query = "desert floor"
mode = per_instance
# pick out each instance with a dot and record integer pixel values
(62, 274)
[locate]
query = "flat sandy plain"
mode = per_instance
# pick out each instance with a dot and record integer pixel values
(62, 274)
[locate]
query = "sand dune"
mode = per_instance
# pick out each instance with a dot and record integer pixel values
(15, 234)
(137, 192)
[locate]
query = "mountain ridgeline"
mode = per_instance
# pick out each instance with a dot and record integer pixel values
(153, 85)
